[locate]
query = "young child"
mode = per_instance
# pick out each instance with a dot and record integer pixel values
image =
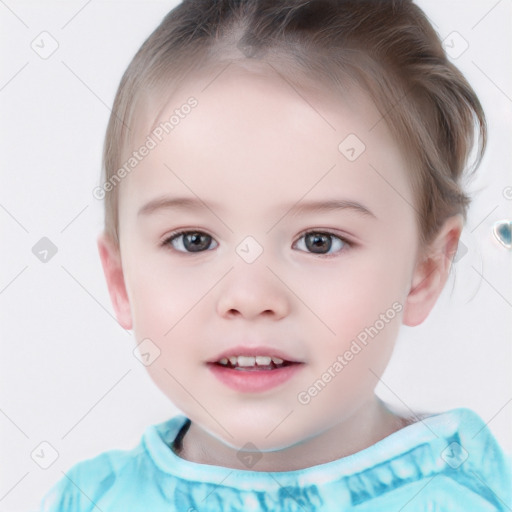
(282, 192)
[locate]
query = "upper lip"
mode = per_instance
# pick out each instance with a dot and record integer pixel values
(259, 350)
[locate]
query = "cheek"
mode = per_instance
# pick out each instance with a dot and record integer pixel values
(352, 294)
(349, 364)
(165, 308)
(163, 294)
(362, 303)
(173, 307)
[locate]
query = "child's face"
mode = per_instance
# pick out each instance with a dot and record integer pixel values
(255, 150)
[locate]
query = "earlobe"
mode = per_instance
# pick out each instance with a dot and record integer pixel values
(113, 270)
(431, 272)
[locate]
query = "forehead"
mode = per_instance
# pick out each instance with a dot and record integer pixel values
(261, 135)
(261, 94)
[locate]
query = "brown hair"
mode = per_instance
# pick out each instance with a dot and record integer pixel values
(386, 46)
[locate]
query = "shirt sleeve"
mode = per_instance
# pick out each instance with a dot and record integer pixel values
(62, 496)
(80, 488)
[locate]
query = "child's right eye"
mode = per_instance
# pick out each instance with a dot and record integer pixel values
(189, 241)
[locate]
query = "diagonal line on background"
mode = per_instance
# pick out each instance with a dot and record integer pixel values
(84, 84)
(92, 92)
(413, 413)
(14, 76)
(94, 298)
(13, 13)
(14, 218)
(14, 423)
(12, 488)
(76, 14)
(492, 211)
(492, 81)
(486, 14)
(74, 218)
(104, 395)
(13, 279)
(506, 403)
(482, 276)
(198, 402)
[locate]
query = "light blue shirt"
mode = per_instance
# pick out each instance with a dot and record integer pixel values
(446, 462)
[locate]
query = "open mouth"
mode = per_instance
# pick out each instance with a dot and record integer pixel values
(254, 363)
(254, 374)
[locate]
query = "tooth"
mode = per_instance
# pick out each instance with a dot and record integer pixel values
(277, 360)
(263, 360)
(233, 360)
(246, 360)
(224, 360)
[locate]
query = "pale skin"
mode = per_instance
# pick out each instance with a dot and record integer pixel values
(254, 148)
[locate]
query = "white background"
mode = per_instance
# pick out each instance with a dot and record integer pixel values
(67, 372)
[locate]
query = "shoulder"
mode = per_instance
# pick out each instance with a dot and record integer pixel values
(90, 480)
(468, 469)
(470, 439)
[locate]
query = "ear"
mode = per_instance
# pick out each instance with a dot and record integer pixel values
(431, 272)
(112, 267)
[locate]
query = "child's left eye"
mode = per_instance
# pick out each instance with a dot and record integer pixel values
(319, 242)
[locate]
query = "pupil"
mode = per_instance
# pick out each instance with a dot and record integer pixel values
(318, 242)
(195, 242)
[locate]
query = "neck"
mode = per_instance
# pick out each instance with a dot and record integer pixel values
(368, 425)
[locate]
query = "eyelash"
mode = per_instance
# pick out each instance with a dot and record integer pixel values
(346, 244)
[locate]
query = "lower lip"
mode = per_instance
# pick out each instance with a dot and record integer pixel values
(254, 381)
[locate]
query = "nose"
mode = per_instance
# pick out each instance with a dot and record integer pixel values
(251, 291)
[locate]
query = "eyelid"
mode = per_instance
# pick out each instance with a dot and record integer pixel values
(183, 231)
(332, 232)
(329, 232)
(347, 240)
(166, 241)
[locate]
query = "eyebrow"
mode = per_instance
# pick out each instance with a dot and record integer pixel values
(330, 205)
(174, 203)
(301, 207)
